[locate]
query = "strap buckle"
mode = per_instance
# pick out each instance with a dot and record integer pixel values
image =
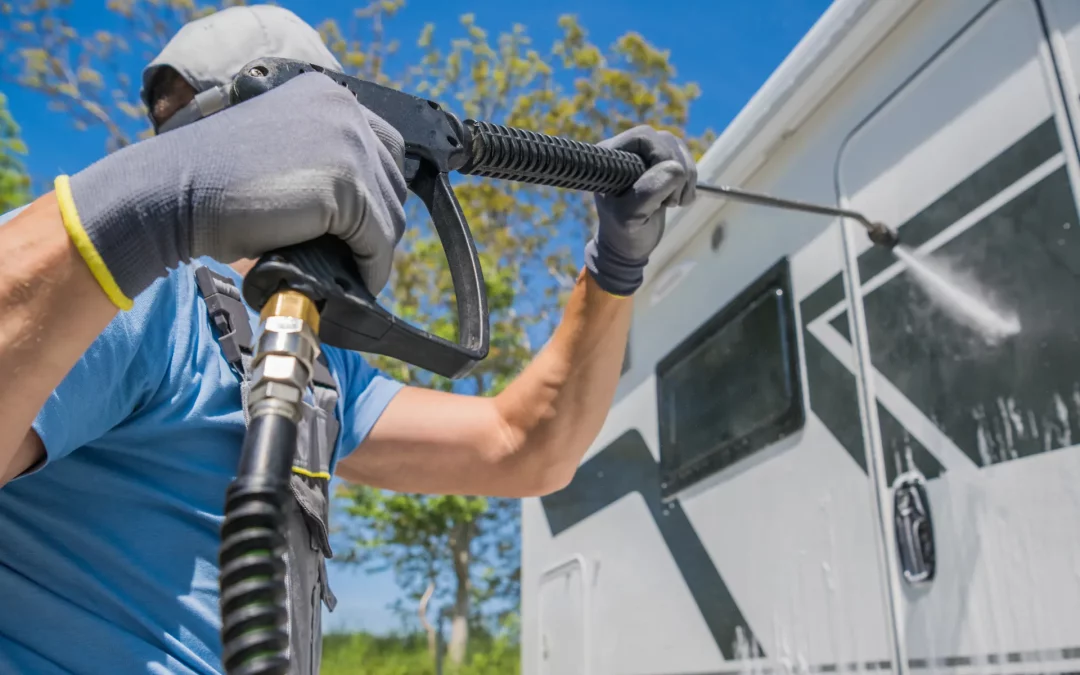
(228, 312)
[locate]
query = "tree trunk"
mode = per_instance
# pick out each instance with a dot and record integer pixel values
(459, 624)
(431, 643)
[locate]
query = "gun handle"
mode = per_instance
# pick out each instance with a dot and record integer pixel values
(351, 318)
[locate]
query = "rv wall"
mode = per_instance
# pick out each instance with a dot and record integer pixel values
(811, 463)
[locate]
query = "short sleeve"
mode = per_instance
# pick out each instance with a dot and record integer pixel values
(112, 378)
(365, 393)
(10, 214)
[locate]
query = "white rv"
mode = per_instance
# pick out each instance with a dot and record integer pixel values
(814, 463)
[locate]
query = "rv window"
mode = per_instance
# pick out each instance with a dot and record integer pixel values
(732, 387)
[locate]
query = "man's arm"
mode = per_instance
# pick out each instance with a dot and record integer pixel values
(530, 438)
(526, 441)
(107, 233)
(51, 310)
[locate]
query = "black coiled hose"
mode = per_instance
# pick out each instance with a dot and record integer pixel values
(254, 609)
(507, 153)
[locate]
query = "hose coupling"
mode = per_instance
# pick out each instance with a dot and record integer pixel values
(286, 349)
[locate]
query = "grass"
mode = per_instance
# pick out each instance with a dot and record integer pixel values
(363, 654)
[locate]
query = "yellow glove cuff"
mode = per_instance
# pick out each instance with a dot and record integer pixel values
(85, 247)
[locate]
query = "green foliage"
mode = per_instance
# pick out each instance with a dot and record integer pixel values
(91, 76)
(466, 544)
(348, 654)
(14, 182)
(498, 655)
(353, 653)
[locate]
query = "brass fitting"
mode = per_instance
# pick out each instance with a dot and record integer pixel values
(286, 349)
(292, 304)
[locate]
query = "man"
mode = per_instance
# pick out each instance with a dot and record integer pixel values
(120, 411)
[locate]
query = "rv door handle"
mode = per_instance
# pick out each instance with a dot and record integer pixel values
(914, 529)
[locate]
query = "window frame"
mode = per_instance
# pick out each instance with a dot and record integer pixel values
(677, 476)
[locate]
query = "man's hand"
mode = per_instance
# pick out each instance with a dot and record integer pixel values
(631, 224)
(303, 160)
(530, 438)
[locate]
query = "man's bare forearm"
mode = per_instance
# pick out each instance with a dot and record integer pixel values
(558, 404)
(526, 441)
(51, 310)
(529, 440)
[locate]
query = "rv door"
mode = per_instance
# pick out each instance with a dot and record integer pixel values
(563, 611)
(977, 429)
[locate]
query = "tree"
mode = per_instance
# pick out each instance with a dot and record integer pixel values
(92, 76)
(529, 237)
(14, 182)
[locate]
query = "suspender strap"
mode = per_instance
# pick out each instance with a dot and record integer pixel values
(228, 313)
(230, 317)
(322, 377)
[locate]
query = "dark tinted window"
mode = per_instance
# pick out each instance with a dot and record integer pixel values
(732, 387)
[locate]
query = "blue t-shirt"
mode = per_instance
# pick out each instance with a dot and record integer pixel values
(108, 553)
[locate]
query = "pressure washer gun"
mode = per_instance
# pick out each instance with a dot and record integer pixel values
(312, 294)
(436, 144)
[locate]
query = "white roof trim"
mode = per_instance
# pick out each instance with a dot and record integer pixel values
(834, 46)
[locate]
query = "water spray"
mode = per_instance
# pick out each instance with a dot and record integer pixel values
(950, 292)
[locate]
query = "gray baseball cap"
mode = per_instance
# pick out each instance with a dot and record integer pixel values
(209, 51)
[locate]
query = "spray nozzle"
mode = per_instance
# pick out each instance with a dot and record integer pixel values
(881, 235)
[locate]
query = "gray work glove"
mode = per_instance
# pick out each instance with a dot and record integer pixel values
(285, 167)
(632, 223)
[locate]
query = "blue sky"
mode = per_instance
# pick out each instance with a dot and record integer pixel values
(729, 47)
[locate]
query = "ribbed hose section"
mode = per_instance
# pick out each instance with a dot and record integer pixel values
(254, 609)
(507, 153)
